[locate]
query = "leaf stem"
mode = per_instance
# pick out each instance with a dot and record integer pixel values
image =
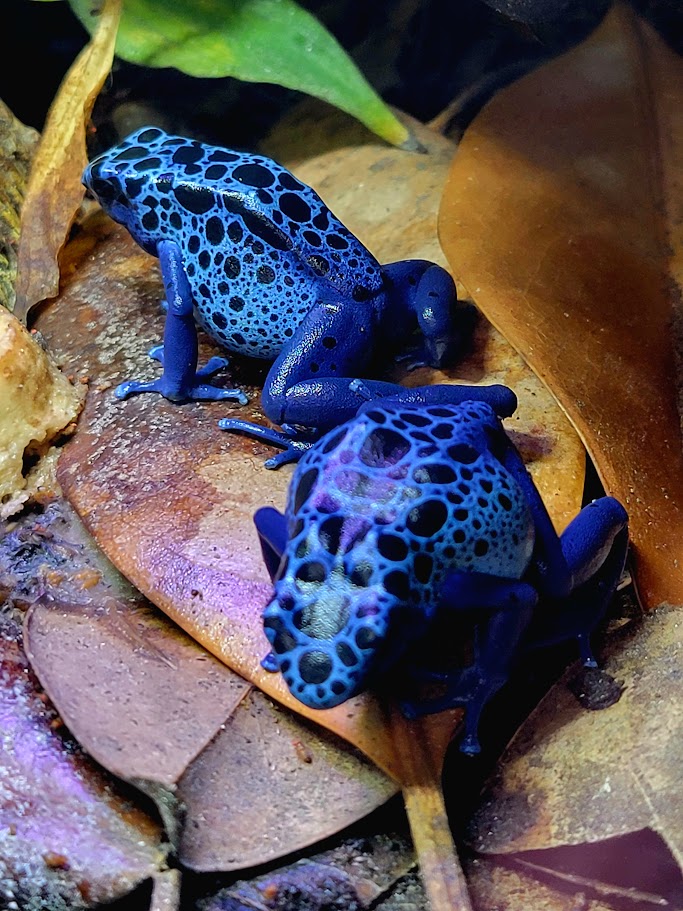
(442, 875)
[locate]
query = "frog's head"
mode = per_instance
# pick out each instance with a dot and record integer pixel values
(329, 636)
(129, 180)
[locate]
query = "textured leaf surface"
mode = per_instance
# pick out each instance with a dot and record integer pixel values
(254, 40)
(573, 777)
(359, 873)
(67, 838)
(253, 781)
(54, 190)
(17, 143)
(562, 216)
(269, 784)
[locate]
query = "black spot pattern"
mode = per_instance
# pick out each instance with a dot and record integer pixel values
(375, 527)
(286, 243)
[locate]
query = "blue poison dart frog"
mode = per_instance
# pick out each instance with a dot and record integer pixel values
(268, 271)
(406, 515)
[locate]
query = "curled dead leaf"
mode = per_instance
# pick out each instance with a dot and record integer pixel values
(253, 781)
(17, 143)
(54, 190)
(562, 217)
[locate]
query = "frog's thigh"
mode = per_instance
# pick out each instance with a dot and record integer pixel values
(333, 340)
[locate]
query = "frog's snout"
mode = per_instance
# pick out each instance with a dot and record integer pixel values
(92, 173)
(102, 181)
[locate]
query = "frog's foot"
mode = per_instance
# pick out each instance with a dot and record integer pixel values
(471, 689)
(182, 388)
(413, 358)
(193, 392)
(293, 441)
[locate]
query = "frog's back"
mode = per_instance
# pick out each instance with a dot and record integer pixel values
(259, 246)
(380, 512)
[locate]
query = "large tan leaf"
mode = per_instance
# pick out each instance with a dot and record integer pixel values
(562, 216)
(572, 777)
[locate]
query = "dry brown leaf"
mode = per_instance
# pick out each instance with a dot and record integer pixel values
(17, 143)
(513, 887)
(160, 698)
(573, 777)
(68, 838)
(37, 404)
(562, 216)
(254, 782)
(270, 784)
(359, 873)
(54, 190)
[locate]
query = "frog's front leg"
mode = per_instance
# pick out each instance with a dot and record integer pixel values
(312, 384)
(594, 546)
(507, 606)
(180, 381)
(271, 527)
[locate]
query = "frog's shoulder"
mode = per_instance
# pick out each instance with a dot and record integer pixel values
(266, 198)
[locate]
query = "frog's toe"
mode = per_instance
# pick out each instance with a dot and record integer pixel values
(157, 353)
(203, 392)
(213, 365)
(292, 454)
(270, 663)
(293, 449)
(412, 358)
(135, 387)
(469, 745)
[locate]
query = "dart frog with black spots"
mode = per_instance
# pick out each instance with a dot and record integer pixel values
(268, 271)
(408, 513)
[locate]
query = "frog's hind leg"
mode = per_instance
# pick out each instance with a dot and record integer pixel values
(337, 399)
(311, 383)
(288, 439)
(507, 606)
(595, 546)
(180, 381)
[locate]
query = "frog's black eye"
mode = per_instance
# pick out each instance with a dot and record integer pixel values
(105, 190)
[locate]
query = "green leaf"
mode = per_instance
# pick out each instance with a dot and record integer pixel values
(253, 40)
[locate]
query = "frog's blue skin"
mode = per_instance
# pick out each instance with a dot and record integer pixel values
(268, 271)
(406, 511)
